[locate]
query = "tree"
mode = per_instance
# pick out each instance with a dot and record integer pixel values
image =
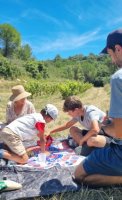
(57, 58)
(32, 68)
(25, 52)
(8, 69)
(9, 39)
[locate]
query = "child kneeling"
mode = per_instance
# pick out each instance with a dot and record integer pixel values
(25, 129)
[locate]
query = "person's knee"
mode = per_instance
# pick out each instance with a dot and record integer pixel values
(92, 142)
(72, 130)
(80, 173)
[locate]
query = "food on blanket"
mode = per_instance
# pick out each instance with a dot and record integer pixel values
(9, 185)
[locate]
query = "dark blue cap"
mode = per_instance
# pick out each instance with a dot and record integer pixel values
(113, 38)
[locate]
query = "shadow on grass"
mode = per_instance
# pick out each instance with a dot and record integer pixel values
(85, 193)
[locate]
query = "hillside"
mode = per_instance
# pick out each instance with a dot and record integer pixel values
(96, 96)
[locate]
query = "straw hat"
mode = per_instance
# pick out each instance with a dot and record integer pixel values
(18, 93)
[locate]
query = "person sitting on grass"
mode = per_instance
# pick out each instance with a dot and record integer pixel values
(90, 117)
(25, 129)
(18, 105)
(104, 165)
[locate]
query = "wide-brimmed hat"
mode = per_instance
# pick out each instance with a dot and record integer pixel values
(18, 93)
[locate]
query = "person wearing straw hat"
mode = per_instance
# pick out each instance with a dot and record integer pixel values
(26, 128)
(18, 105)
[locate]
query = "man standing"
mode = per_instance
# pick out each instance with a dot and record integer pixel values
(104, 165)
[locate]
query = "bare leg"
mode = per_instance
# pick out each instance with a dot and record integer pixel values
(96, 141)
(98, 179)
(14, 157)
(30, 149)
(76, 134)
(80, 173)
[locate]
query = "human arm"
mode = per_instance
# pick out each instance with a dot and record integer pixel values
(40, 127)
(9, 117)
(42, 142)
(92, 132)
(63, 127)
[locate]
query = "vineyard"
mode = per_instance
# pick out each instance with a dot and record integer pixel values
(67, 88)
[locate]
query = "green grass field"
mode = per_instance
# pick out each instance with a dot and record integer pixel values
(96, 96)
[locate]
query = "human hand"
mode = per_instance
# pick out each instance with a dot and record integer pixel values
(42, 144)
(81, 142)
(47, 153)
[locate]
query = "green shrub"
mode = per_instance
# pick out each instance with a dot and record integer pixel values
(37, 88)
(36, 69)
(73, 87)
(32, 68)
(8, 70)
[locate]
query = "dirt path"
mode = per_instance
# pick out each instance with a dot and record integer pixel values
(99, 97)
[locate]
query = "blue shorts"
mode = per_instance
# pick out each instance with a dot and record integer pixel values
(105, 161)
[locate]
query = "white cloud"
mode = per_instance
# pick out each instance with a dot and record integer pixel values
(35, 13)
(66, 42)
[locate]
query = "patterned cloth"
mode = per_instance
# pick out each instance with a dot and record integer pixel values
(36, 182)
(54, 178)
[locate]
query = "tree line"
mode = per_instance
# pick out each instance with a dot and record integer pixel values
(17, 60)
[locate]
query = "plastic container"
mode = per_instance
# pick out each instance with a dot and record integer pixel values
(42, 158)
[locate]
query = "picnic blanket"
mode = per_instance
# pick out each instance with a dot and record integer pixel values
(40, 180)
(60, 155)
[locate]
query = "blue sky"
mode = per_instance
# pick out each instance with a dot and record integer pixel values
(64, 27)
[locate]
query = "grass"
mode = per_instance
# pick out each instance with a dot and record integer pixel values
(99, 97)
(111, 193)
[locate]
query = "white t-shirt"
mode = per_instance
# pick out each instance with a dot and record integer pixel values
(91, 113)
(25, 126)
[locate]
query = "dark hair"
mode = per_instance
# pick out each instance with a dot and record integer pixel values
(71, 103)
(111, 47)
(45, 113)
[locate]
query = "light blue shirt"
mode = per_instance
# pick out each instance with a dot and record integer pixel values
(116, 95)
(91, 113)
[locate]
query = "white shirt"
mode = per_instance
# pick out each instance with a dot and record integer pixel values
(25, 126)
